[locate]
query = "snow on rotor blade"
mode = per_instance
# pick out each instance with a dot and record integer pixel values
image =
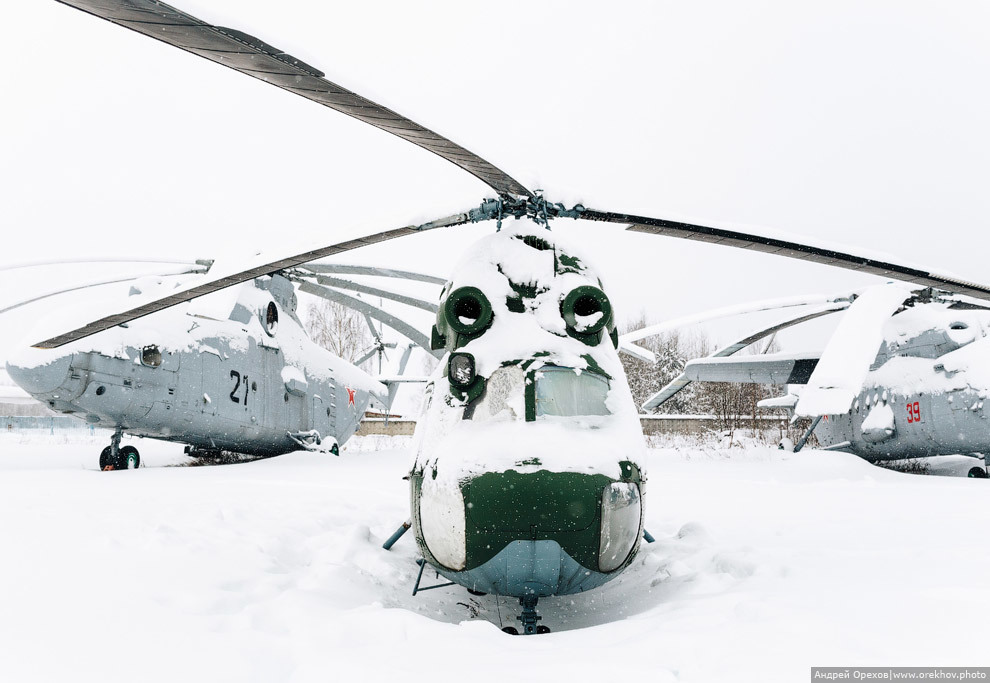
(253, 57)
(726, 311)
(349, 285)
(88, 285)
(839, 374)
(191, 266)
(637, 352)
(233, 271)
(772, 242)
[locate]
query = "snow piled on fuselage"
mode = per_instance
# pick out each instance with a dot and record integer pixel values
(459, 449)
(955, 357)
(178, 330)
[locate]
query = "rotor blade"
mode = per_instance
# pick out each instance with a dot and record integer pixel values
(682, 381)
(400, 326)
(221, 279)
(249, 55)
(838, 377)
(374, 332)
(967, 306)
(366, 357)
(340, 269)
(337, 283)
(785, 247)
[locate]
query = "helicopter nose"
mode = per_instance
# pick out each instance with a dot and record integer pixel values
(39, 372)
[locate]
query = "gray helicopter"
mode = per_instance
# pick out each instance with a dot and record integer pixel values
(905, 375)
(249, 382)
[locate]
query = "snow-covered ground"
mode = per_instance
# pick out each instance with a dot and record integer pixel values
(765, 564)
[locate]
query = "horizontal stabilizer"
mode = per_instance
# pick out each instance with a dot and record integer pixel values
(807, 313)
(767, 369)
(787, 402)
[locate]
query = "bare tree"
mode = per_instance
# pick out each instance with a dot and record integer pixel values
(338, 329)
(672, 351)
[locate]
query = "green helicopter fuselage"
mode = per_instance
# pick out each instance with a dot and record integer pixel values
(527, 478)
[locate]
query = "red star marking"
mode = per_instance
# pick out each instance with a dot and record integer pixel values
(350, 396)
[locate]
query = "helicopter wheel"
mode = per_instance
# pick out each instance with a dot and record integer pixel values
(129, 458)
(542, 629)
(474, 592)
(511, 630)
(977, 473)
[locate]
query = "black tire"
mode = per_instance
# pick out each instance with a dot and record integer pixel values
(474, 592)
(511, 630)
(977, 473)
(106, 462)
(542, 629)
(128, 458)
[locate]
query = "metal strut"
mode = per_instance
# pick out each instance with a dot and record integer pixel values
(529, 617)
(422, 565)
(807, 435)
(115, 443)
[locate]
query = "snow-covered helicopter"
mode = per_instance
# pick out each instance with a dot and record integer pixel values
(903, 376)
(529, 355)
(238, 375)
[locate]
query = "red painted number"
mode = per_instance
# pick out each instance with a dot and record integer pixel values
(914, 412)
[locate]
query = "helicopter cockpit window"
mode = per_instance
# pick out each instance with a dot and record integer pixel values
(271, 317)
(504, 397)
(151, 356)
(566, 392)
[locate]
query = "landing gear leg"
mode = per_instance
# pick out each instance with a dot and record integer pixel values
(529, 617)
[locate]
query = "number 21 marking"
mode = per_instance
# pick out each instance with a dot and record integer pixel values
(234, 375)
(914, 412)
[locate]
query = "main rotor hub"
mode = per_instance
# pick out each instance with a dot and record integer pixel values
(534, 207)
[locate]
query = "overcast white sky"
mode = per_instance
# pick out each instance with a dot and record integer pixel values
(862, 123)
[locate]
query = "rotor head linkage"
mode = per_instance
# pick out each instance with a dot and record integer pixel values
(536, 208)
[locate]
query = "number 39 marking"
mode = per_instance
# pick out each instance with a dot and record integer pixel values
(914, 412)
